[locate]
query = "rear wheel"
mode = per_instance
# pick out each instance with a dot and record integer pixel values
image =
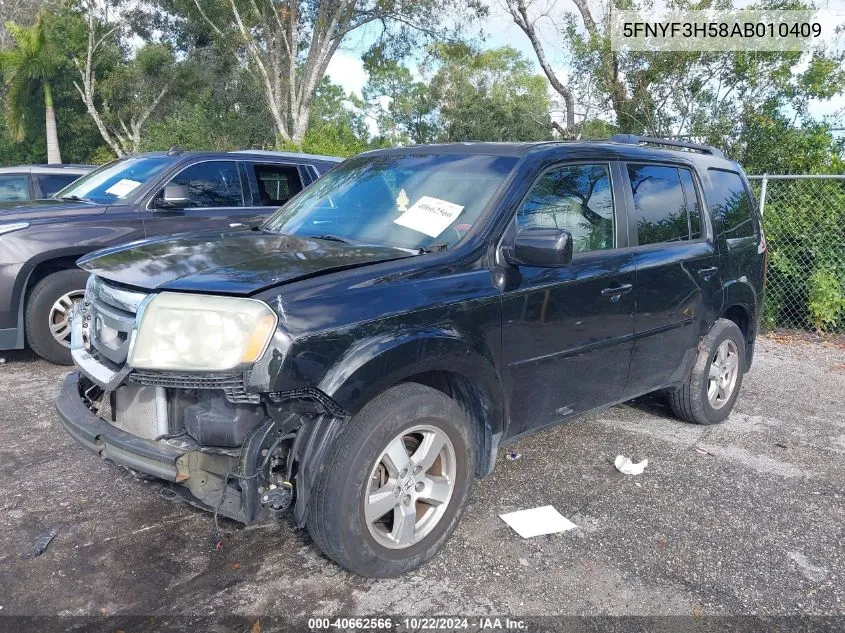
(710, 391)
(395, 483)
(48, 312)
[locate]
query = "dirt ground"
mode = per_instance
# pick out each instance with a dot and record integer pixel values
(746, 517)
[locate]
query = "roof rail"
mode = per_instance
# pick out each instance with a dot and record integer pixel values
(633, 139)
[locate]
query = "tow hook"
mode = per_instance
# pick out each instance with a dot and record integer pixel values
(277, 500)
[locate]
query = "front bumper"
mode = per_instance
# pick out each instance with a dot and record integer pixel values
(109, 442)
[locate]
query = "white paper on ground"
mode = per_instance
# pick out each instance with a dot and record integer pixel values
(429, 215)
(123, 188)
(625, 466)
(537, 521)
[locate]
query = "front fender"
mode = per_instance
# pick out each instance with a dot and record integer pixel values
(373, 364)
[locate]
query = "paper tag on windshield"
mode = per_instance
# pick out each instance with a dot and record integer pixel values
(123, 188)
(430, 216)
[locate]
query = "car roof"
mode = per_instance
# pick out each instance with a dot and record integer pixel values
(623, 146)
(242, 153)
(47, 169)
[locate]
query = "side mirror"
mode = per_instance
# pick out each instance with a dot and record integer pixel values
(540, 246)
(173, 197)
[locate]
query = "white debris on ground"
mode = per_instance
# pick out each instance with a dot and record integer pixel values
(625, 466)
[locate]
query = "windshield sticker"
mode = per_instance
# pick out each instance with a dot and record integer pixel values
(402, 201)
(123, 188)
(430, 216)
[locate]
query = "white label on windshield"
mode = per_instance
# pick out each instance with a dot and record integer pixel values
(430, 216)
(123, 188)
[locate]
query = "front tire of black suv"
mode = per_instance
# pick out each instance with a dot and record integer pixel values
(48, 312)
(395, 482)
(710, 391)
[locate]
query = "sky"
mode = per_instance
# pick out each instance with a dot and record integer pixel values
(347, 70)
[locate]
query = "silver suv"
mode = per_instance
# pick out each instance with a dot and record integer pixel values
(33, 182)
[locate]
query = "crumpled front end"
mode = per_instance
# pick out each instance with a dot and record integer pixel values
(223, 447)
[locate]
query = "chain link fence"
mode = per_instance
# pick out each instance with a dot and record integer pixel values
(804, 224)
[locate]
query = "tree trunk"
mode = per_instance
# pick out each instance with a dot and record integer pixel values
(54, 156)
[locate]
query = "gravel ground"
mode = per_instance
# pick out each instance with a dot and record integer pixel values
(746, 517)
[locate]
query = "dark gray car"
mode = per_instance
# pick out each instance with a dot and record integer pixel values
(145, 195)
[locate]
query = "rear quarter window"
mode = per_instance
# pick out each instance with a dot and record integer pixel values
(731, 206)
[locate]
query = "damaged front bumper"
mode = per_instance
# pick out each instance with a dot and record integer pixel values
(242, 453)
(277, 462)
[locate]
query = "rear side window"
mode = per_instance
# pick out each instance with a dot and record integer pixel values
(51, 183)
(277, 183)
(659, 204)
(14, 188)
(731, 205)
(576, 198)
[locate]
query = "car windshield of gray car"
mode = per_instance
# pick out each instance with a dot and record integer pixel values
(117, 182)
(405, 201)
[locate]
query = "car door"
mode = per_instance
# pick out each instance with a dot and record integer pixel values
(567, 332)
(678, 287)
(218, 196)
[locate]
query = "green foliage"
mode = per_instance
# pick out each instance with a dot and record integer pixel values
(804, 223)
(28, 68)
(491, 95)
(826, 298)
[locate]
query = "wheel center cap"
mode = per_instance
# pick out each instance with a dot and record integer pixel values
(408, 484)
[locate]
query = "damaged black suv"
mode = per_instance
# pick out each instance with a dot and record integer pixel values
(364, 353)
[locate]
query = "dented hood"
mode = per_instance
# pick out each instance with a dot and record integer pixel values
(236, 262)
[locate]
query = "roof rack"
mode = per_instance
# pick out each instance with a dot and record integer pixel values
(633, 139)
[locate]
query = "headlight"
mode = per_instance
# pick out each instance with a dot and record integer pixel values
(189, 332)
(12, 226)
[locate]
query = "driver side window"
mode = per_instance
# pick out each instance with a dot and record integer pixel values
(577, 198)
(211, 184)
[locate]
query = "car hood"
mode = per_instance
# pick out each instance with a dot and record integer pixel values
(48, 208)
(237, 263)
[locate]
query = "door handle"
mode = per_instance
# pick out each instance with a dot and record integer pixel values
(707, 273)
(614, 292)
(234, 225)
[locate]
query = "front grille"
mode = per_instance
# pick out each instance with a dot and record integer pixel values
(109, 314)
(233, 385)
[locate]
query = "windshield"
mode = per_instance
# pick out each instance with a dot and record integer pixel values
(116, 182)
(405, 201)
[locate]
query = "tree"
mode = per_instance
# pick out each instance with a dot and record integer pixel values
(404, 109)
(490, 95)
(28, 67)
(289, 43)
(121, 103)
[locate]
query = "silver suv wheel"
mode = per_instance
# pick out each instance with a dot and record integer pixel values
(410, 486)
(60, 313)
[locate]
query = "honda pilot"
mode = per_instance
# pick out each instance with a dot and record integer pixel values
(361, 356)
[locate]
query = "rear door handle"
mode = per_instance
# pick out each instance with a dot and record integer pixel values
(614, 292)
(707, 273)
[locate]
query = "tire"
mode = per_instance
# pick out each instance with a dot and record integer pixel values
(338, 521)
(38, 316)
(692, 402)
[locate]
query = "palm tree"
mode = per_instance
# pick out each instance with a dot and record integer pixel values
(28, 67)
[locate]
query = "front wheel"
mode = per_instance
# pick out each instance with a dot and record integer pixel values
(710, 391)
(395, 483)
(48, 312)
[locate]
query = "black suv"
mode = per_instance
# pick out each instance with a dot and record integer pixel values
(141, 196)
(365, 352)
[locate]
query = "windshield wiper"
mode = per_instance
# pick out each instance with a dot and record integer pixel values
(330, 238)
(437, 248)
(76, 199)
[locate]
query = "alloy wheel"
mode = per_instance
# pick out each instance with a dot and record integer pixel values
(724, 369)
(410, 486)
(60, 314)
